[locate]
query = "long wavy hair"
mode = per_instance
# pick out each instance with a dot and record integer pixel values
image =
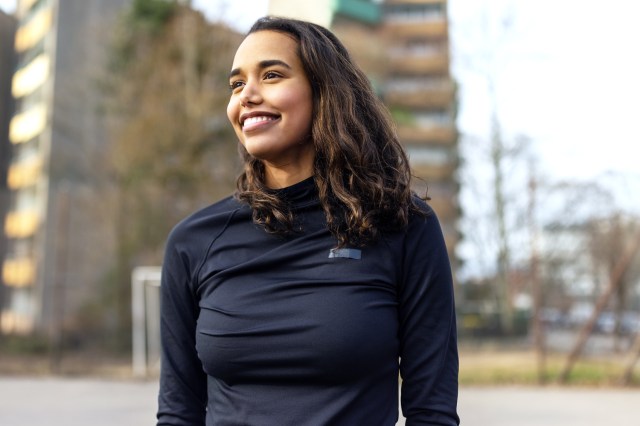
(361, 171)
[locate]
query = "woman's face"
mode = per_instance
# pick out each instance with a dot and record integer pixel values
(271, 101)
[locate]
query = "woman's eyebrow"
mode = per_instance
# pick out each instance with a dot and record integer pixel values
(262, 65)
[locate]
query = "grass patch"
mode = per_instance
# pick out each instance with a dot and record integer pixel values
(484, 368)
(23, 345)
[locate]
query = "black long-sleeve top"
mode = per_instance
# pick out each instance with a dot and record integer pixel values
(264, 330)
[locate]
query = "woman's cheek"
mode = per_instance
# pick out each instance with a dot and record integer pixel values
(231, 110)
(233, 113)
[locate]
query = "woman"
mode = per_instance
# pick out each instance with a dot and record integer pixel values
(300, 299)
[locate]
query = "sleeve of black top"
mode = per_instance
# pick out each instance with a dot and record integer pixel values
(183, 385)
(428, 340)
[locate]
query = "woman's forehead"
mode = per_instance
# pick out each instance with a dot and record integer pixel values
(266, 45)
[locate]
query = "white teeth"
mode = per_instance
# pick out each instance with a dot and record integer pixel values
(254, 120)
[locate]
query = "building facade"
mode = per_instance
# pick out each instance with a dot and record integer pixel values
(53, 226)
(421, 95)
(403, 45)
(8, 26)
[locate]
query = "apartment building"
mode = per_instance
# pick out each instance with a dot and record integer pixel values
(421, 95)
(53, 228)
(412, 76)
(8, 26)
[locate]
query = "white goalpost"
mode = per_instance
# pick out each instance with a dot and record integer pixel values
(145, 319)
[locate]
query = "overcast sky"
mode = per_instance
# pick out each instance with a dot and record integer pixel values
(8, 5)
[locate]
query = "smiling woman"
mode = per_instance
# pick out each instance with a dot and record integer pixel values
(300, 299)
(271, 105)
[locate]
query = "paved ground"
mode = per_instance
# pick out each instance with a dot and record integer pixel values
(82, 402)
(76, 402)
(548, 407)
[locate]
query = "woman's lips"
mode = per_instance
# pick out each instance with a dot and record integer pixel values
(252, 123)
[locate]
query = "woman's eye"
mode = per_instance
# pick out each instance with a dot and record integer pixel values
(235, 84)
(270, 75)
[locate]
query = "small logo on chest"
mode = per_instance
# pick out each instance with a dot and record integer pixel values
(347, 253)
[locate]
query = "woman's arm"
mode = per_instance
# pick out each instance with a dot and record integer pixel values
(182, 399)
(428, 341)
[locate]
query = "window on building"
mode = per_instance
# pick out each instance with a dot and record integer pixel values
(31, 77)
(33, 9)
(416, 83)
(28, 124)
(26, 199)
(415, 12)
(420, 47)
(33, 30)
(430, 155)
(28, 101)
(27, 151)
(22, 248)
(435, 117)
(30, 54)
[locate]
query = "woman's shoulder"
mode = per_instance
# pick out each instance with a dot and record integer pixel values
(210, 220)
(424, 226)
(421, 212)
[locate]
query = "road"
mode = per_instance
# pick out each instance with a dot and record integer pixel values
(82, 402)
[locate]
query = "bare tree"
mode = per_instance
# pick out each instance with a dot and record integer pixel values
(172, 149)
(608, 239)
(485, 55)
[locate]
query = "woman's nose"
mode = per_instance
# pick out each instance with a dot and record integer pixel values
(250, 94)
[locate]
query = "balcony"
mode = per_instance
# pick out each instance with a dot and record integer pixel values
(414, 64)
(428, 96)
(433, 29)
(25, 173)
(31, 77)
(416, 2)
(21, 224)
(34, 30)
(361, 10)
(24, 5)
(19, 272)
(441, 135)
(431, 172)
(28, 124)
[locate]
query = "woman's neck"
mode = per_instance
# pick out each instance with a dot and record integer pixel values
(277, 179)
(283, 175)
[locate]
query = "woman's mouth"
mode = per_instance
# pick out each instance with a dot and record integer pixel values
(251, 123)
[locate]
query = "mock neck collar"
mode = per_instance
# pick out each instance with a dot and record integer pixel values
(300, 193)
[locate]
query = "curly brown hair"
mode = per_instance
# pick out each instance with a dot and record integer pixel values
(361, 170)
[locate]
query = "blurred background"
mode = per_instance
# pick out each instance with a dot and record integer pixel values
(519, 119)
